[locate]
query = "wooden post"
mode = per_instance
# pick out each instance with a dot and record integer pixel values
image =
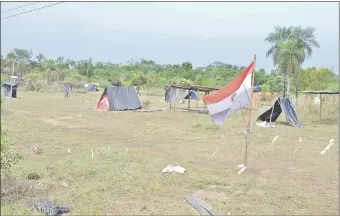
(205, 106)
(320, 105)
(170, 97)
(189, 102)
(250, 112)
(198, 90)
(175, 100)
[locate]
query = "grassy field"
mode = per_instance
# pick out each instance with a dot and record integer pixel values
(131, 149)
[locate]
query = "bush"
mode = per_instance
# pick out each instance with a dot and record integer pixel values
(32, 175)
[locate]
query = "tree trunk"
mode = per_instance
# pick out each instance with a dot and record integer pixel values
(288, 86)
(297, 84)
(297, 87)
(284, 85)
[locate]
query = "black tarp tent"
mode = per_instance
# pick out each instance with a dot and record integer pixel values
(193, 95)
(6, 90)
(284, 105)
(119, 98)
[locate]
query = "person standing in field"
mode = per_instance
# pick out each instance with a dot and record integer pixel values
(67, 91)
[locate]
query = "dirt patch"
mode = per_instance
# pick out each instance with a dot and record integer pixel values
(211, 195)
(51, 121)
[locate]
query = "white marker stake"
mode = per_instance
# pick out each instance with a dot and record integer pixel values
(331, 142)
(300, 140)
(274, 140)
(239, 172)
(91, 153)
(68, 151)
(126, 150)
(213, 154)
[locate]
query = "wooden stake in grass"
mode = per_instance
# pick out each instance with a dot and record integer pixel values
(249, 120)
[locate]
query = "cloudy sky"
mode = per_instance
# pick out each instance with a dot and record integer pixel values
(201, 33)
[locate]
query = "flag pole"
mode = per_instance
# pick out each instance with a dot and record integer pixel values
(250, 112)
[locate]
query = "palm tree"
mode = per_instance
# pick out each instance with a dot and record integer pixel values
(288, 56)
(306, 40)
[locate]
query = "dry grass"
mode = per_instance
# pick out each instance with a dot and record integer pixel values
(131, 148)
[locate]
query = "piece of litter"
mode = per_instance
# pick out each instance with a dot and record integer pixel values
(298, 145)
(239, 172)
(64, 184)
(240, 165)
(274, 140)
(331, 142)
(171, 168)
(91, 153)
(213, 154)
(68, 151)
(222, 136)
(126, 151)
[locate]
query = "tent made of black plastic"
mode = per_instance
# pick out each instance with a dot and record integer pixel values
(284, 105)
(119, 98)
(92, 87)
(6, 90)
(193, 95)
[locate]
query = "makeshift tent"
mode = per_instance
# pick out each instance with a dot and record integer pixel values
(91, 87)
(193, 95)
(119, 98)
(6, 90)
(175, 94)
(284, 105)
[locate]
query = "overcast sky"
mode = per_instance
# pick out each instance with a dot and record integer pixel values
(201, 33)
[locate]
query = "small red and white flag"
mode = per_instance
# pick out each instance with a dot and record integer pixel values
(232, 97)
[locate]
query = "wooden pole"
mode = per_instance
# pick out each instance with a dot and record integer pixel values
(175, 99)
(320, 105)
(170, 97)
(250, 112)
(189, 102)
(198, 90)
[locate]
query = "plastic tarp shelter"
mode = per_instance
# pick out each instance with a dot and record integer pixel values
(284, 105)
(119, 98)
(6, 90)
(173, 95)
(193, 95)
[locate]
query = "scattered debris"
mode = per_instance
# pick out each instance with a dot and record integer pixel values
(213, 154)
(298, 145)
(49, 208)
(171, 168)
(274, 140)
(201, 206)
(331, 142)
(243, 168)
(64, 184)
(69, 151)
(222, 136)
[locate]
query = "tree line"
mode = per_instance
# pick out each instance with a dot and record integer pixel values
(289, 49)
